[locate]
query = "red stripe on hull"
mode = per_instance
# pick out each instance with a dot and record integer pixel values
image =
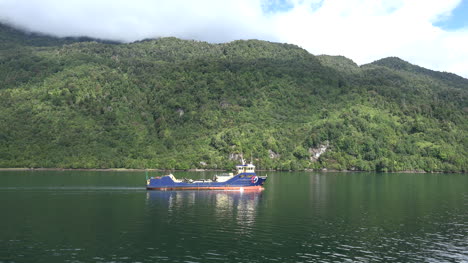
(245, 188)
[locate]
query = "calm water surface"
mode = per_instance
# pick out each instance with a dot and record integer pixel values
(299, 217)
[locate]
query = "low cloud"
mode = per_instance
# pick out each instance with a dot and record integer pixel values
(124, 20)
(363, 30)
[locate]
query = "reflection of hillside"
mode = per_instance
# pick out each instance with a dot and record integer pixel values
(319, 195)
(299, 191)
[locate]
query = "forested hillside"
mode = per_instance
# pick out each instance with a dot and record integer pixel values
(178, 104)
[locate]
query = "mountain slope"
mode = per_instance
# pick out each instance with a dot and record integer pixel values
(171, 103)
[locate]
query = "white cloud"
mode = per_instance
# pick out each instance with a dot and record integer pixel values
(130, 20)
(363, 30)
(367, 30)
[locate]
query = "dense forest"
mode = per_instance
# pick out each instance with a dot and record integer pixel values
(176, 104)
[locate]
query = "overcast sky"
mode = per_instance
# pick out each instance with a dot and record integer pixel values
(429, 33)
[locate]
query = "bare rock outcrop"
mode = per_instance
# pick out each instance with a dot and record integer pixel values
(315, 153)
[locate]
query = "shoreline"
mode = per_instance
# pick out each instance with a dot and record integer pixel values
(203, 170)
(107, 169)
(110, 170)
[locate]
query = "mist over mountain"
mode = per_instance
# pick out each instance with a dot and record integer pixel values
(178, 104)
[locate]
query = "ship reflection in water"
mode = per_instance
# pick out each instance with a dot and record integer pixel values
(217, 206)
(222, 200)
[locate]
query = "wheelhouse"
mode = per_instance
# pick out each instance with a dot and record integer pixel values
(245, 168)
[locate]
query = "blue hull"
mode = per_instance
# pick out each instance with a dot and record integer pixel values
(245, 181)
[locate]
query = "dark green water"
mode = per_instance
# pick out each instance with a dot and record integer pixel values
(299, 217)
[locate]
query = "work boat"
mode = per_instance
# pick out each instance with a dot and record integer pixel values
(245, 178)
